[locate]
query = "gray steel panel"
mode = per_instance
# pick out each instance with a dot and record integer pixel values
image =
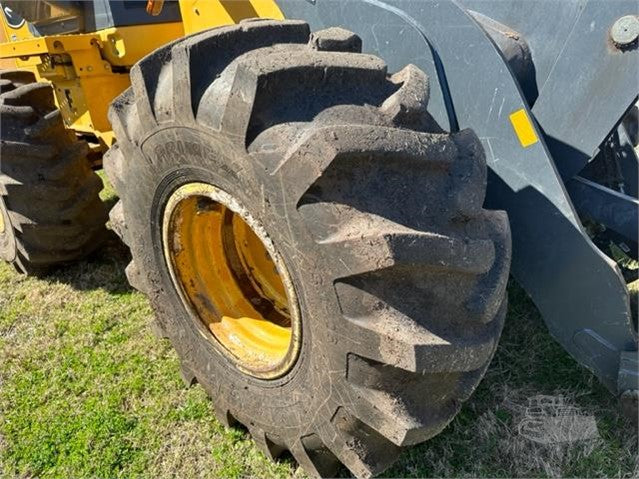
(545, 24)
(591, 85)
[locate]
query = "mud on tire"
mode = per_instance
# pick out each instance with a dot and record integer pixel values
(51, 211)
(399, 272)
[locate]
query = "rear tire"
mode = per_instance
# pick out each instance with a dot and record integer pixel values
(399, 273)
(49, 204)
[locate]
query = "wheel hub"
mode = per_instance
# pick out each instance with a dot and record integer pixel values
(230, 276)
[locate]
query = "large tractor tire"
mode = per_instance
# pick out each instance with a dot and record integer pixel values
(50, 211)
(313, 244)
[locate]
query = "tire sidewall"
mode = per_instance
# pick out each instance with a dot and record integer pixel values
(176, 156)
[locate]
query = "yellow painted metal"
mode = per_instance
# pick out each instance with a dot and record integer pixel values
(5, 63)
(130, 44)
(81, 68)
(199, 15)
(14, 34)
(89, 70)
(523, 128)
(119, 45)
(231, 278)
(254, 258)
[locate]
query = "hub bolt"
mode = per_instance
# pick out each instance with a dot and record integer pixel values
(625, 31)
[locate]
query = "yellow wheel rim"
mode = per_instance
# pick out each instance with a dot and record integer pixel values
(230, 276)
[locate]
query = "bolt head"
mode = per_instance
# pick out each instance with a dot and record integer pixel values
(625, 31)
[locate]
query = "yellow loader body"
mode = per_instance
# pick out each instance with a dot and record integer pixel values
(89, 70)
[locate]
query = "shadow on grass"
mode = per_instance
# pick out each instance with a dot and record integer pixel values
(103, 269)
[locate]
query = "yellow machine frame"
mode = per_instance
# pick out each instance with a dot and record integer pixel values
(89, 70)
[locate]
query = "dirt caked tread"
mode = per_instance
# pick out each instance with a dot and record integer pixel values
(377, 211)
(49, 195)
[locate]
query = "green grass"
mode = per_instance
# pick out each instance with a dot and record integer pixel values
(87, 391)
